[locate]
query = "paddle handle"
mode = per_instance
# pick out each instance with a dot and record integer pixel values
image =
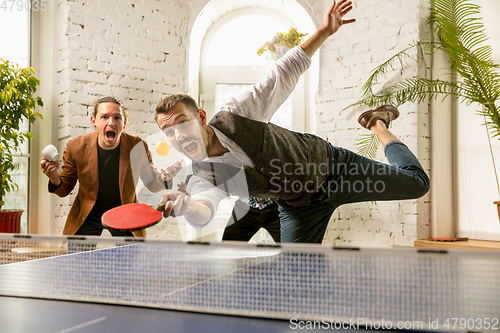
(160, 207)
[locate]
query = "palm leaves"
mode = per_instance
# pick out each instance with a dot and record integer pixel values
(460, 33)
(368, 145)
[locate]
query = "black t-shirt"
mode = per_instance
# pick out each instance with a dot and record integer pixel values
(108, 195)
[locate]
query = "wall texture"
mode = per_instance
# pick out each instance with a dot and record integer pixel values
(137, 52)
(382, 29)
(133, 50)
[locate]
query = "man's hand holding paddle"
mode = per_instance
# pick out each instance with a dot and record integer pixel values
(136, 216)
(181, 204)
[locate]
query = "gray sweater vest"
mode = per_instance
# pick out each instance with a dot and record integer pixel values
(289, 166)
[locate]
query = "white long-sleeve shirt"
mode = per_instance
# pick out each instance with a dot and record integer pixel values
(259, 102)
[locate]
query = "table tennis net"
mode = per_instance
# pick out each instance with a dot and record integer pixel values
(303, 282)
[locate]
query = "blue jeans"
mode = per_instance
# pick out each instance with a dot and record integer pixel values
(353, 178)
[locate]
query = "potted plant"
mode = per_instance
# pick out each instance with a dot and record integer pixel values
(281, 43)
(459, 32)
(17, 86)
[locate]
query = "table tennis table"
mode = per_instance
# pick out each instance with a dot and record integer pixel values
(95, 284)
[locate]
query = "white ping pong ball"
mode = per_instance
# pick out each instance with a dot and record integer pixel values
(50, 153)
(162, 148)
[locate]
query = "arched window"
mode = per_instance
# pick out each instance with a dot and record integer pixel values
(223, 61)
(229, 63)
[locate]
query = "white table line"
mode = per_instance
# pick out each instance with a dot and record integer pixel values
(74, 328)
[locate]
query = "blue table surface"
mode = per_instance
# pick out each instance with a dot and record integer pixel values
(23, 313)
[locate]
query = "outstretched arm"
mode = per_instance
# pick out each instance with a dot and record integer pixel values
(332, 23)
(261, 101)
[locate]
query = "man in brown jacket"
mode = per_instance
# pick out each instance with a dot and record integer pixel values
(108, 164)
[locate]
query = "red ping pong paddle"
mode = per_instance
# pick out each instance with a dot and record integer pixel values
(134, 216)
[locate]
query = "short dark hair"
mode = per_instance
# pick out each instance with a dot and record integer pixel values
(168, 102)
(110, 99)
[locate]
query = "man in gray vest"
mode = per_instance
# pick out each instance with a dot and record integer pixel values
(240, 153)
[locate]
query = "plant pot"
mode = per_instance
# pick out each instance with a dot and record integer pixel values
(10, 220)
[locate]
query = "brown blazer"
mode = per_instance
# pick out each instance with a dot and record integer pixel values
(80, 163)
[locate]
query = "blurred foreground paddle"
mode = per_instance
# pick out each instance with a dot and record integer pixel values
(134, 216)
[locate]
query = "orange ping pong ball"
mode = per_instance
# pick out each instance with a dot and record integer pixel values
(162, 148)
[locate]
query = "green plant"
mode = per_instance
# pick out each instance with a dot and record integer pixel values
(460, 33)
(17, 86)
(289, 39)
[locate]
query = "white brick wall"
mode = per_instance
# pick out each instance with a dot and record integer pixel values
(382, 29)
(132, 50)
(137, 51)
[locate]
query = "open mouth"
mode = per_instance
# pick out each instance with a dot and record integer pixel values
(110, 135)
(190, 147)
